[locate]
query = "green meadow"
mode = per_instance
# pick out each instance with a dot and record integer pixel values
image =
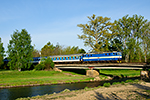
(16, 78)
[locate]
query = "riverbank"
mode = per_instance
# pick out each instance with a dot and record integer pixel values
(10, 79)
(137, 90)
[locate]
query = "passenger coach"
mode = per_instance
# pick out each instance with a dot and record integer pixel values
(67, 58)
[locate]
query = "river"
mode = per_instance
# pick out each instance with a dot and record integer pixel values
(20, 92)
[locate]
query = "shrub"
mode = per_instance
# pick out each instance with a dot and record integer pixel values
(39, 67)
(127, 81)
(106, 84)
(122, 82)
(48, 63)
(86, 88)
(115, 83)
(45, 64)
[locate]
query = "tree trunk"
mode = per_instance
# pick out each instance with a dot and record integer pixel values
(140, 57)
(145, 56)
(127, 58)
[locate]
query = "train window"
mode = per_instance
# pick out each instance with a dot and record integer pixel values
(119, 53)
(77, 57)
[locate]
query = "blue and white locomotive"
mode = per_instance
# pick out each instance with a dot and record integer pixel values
(90, 57)
(110, 56)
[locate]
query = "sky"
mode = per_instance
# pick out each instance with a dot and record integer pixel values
(56, 21)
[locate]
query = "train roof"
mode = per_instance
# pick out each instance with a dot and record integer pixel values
(103, 52)
(65, 55)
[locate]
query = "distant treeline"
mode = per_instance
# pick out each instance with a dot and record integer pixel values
(49, 50)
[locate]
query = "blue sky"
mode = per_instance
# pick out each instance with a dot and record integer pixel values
(56, 20)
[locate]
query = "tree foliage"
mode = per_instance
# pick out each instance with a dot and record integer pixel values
(146, 40)
(36, 53)
(49, 50)
(1, 53)
(96, 33)
(20, 50)
(129, 31)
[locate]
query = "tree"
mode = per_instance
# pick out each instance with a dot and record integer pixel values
(128, 31)
(96, 33)
(146, 40)
(123, 28)
(1, 53)
(73, 50)
(36, 53)
(138, 23)
(48, 49)
(58, 49)
(20, 50)
(81, 51)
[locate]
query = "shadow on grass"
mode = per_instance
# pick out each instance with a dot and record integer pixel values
(78, 71)
(144, 94)
(142, 86)
(111, 96)
(116, 78)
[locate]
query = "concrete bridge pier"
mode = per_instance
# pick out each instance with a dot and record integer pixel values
(91, 72)
(145, 74)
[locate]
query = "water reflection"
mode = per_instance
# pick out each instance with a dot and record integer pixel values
(13, 93)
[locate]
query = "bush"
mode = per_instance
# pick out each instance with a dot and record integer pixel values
(45, 64)
(122, 82)
(86, 88)
(127, 81)
(106, 84)
(115, 83)
(39, 67)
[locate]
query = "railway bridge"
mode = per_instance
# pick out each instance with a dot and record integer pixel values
(104, 66)
(145, 73)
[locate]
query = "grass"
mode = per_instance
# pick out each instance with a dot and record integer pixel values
(121, 72)
(106, 84)
(16, 78)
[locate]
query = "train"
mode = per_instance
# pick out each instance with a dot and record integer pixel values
(88, 57)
